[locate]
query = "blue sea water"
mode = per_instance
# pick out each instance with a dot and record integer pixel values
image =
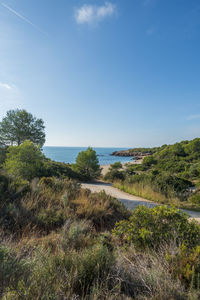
(69, 154)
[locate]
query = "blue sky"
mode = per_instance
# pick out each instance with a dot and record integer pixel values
(103, 73)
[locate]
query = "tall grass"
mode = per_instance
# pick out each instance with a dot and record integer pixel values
(95, 271)
(56, 243)
(144, 190)
(102, 209)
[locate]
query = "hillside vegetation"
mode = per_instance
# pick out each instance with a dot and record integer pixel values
(59, 241)
(171, 174)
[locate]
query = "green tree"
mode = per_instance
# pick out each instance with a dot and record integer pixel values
(87, 164)
(18, 126)
(24, 161)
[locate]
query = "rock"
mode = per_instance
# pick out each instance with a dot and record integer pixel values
(122, 153)
(136, 155)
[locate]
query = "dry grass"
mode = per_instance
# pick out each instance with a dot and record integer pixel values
(78, 263)
(145, 191)
(147, 275)
(41, 258)
(102, 209)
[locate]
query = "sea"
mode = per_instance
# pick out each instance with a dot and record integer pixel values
(69, 154)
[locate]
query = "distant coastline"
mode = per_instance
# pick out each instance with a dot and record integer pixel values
(69, 154)
(136, 155)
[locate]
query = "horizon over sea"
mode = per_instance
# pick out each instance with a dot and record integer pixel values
(69, 154)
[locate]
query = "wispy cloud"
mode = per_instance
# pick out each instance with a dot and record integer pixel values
(92, 13)
(5, 86)
(22, 17)
(193, 117)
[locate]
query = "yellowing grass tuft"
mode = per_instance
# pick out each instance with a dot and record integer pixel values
(145, 191)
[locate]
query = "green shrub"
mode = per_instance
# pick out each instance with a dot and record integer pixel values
(114, 174)
(177, 185)
(3, 151)
(195, 199)
(91, 266)
(185, 265)
(4, 182)
(116, 165)
(194, 170)
(59, 169)
(24, 161)
(50, 219)
(150, 227)
(149, 161)
(13, 270)
(76, 234)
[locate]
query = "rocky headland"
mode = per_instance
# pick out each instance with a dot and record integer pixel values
(135, 154)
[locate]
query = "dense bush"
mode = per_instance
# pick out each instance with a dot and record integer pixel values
(25, 161)
(12, 269)
(59, 169)
(149, 161)
(114, 174)
(3, 151)
(195, 199)
(150, 227)
(185, 265)
(117, 165)
(165, 183)
(4, 183)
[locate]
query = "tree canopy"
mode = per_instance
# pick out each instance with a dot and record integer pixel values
(25, 161)
(87, 164)
(18, 126)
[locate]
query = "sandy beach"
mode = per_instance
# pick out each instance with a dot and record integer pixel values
(105, 168)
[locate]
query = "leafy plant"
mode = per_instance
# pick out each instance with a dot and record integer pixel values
(150, 227)
(24, 161)
(87, 164)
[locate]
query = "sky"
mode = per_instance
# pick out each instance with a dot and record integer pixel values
(103, 73)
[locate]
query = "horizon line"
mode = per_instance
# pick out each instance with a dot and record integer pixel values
(87, 146)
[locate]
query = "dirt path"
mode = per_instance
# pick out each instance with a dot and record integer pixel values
(130, 201)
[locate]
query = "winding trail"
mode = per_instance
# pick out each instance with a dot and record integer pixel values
(130, 201)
